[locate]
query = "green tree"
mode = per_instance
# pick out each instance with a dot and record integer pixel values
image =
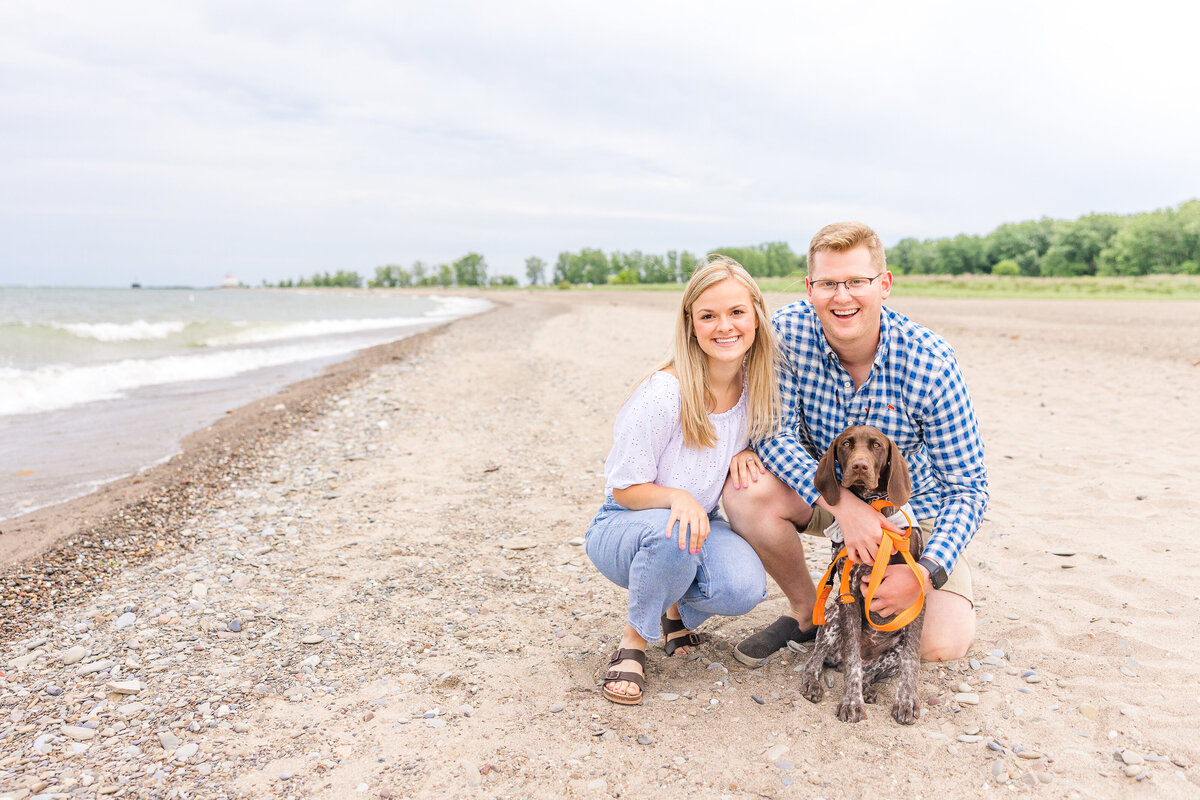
(1023, 242)
(391, 276)
(502, 280)
(960, 255)
(753, 259)
(656, 269)
(471, 270)
(445, 276)
(780, 260)
(1158, 241)
(626, 276)
(535, 270)
(1006, 267)
(1076, 246)
(687, 265)
(595, 265)
(568, 268)
(913, 257)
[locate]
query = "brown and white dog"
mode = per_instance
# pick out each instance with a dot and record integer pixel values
(872, 468)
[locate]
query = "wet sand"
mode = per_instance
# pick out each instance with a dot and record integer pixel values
(397, 548)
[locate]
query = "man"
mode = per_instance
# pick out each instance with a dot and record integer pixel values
(847, 360)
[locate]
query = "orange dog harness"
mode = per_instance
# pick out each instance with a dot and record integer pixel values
(888, 543)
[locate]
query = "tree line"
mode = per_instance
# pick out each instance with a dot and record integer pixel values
(594, 266)
(470, 270)
(1166, 240)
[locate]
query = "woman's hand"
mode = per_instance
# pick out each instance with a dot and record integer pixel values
(685, 510)
(692, 519)
(745, 467)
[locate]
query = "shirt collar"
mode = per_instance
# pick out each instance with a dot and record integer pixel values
(885, 326)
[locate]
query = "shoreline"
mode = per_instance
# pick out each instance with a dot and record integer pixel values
(136, 516)
(389, 591)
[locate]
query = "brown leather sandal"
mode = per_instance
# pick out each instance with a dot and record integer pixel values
(670, 645)
(625, 654)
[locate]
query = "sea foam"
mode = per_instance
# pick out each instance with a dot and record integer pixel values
(136, 331)
(54, 386)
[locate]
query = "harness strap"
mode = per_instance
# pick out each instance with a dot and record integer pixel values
(888, 542)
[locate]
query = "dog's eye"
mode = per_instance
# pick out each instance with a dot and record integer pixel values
(876, 445)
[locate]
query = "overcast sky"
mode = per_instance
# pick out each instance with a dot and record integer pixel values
(172, 142)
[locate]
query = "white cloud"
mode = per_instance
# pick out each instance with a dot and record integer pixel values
(181, 140)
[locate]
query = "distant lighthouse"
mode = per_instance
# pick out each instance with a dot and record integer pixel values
(230, 282)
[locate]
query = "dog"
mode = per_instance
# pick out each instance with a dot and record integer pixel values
(872, 468)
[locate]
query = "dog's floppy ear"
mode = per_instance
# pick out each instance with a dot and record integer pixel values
(825, 481)
(899, 484)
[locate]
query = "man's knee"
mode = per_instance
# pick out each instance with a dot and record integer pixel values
(949, 627)
(768, 496)
(945, 649)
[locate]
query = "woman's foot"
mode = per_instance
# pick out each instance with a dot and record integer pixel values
(626, 675)
(676, 637)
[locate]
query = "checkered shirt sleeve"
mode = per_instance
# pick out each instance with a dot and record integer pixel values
(915, 394)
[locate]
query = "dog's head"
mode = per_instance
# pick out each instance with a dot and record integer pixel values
(871, 463)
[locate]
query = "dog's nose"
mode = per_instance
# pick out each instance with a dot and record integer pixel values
(859, 465)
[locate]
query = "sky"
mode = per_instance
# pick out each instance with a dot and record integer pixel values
(174, 142)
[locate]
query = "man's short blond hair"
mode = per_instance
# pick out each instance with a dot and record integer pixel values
(838, 237)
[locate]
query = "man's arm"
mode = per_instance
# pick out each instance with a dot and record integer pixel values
(951, 434)
(782, 453)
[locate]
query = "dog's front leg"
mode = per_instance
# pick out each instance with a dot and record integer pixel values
(908, 703)
(850, 617)
(826, 643)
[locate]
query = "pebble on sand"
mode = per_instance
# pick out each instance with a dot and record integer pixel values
(74, 655)
(124, 687)
(78, 732)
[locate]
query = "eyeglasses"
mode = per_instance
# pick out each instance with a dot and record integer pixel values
(853, 285)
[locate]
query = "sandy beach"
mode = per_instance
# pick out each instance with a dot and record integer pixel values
(373, 585)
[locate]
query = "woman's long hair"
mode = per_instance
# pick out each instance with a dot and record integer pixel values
(691, 363)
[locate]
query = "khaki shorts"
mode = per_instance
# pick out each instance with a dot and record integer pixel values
(959, 581)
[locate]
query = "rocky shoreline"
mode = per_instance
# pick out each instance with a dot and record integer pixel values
(379, 590)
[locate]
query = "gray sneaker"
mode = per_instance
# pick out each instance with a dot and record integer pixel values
(755, 649)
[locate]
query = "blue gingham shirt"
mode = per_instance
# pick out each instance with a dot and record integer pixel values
(915, 394)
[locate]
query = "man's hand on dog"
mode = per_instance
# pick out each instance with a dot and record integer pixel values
(860, 526)
(898, 590)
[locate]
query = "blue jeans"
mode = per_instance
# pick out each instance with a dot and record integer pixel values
(632, 550)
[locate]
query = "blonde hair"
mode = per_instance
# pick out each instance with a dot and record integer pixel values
(838, 237)
(691, 363)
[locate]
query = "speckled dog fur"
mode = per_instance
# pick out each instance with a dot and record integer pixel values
(870, 461)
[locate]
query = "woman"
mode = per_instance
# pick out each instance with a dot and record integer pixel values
(658, 533)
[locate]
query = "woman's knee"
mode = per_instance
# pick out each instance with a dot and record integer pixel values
(738, 585)
(746, 595)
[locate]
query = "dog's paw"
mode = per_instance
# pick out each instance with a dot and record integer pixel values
(907, 709)
(850, 710)
(871, 693)
(811, 688)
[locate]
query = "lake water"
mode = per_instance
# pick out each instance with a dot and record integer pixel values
(98, 383)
